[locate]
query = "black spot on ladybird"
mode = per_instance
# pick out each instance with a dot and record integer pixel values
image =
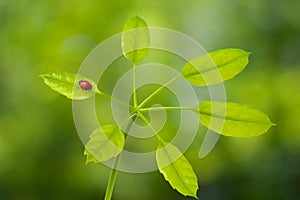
(85, 85)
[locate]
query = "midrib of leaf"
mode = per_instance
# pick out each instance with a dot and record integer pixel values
(174, 166)
(211, 69)
(60, 80)
(135, 42)
(134, 65)
(233, 119)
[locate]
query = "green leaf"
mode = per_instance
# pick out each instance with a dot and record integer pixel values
(67, 84)
(215, 67)
(135, 39)
(232, 119)
(176, 169)
(89, 157)
(105, 142)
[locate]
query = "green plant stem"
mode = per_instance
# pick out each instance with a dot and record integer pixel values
(145, 120)
(137, 109)
(114, 170)
(168, 108)
(131, 116)
(112, 178)
(148, 123)
(134, 86)
(115, 99)
(158, 90)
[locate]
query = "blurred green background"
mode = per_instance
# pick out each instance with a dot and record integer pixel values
(41, 155)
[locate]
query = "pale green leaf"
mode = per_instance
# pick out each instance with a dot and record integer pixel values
(232, 119)
(67, 84)
(215, 67)
(176, 169)
(105, 142)
(135, 39)
(89, 157)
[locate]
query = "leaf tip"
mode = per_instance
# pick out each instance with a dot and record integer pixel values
(86, 155)
(247, 54)
(42, 76)
(89, 157)
(137, 16)
(271, 123)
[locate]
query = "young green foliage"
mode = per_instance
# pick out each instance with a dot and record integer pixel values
(232, 119)
(68, 84)
(135, 39)
(105, 142)
(215, 67)
(179, 173)
(225, 118)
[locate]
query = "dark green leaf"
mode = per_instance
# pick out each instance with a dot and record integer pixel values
(215, 67)
(232, 119)
(135, 39)
(105, 142)
(67, 84)
(176, 169)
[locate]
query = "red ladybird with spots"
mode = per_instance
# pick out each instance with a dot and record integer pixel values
(85, 85)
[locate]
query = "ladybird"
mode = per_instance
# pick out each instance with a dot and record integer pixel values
(85, 85)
